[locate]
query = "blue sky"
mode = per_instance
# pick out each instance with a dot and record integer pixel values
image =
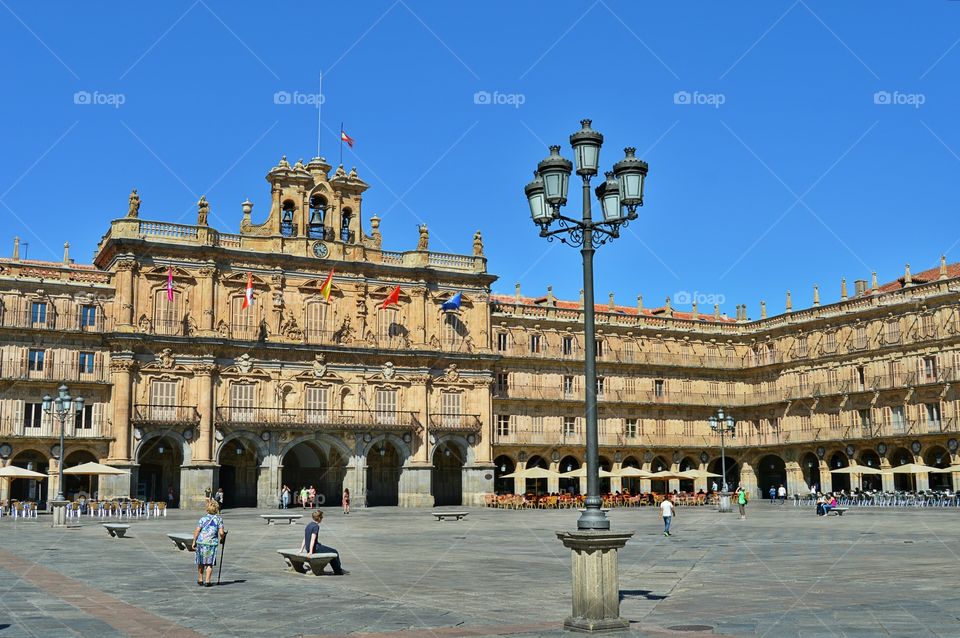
(811, 141)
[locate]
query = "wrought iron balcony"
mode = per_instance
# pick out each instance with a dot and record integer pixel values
(455, 422)
(165, 414)
(73, 320)
(21, 370)
(328, 419)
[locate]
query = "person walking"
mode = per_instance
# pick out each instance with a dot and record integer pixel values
(742, 500)
(773, 494)
(312, 495)
(285, 497)
(219, 497)
(782, 494)
(208, 535)
(303, 496)
(171, 497)
(311, 543)
(346, 500)
(667, 510)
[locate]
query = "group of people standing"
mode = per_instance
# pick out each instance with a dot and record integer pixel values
(307, 497)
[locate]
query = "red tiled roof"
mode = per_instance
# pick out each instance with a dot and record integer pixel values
(48, 264)
(953, 270)
(623, 310)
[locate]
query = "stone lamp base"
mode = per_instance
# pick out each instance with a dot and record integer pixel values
(596, 580)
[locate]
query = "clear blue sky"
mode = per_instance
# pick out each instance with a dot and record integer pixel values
(798, 177)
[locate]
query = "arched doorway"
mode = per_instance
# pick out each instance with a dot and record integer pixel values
(871, 459)
(838, 460)
(631, 483)
(902, 482)
(938, 457)
(536, 485)
(74, 485)
(446, 477)
(687, 485)
(160, 460)
(307, 464)
(238, 473)
(771, 472)
(660, 486)
(383, 474)
(504, 465)
(810, 465)
(569, 484)
(28, 489)
(733, 472)
(606, 465)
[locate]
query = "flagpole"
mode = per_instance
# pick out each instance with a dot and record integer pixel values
(341, 143)
(319, 113)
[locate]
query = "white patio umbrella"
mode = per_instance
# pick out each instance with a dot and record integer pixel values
(704, 474)
(582, 473)
(632, 472)
(911, 468)
(14, 472)
(532, 473)
(94, 469)
(945, 470)
(856, 469)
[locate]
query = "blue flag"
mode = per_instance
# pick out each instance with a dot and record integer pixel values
(453, 303)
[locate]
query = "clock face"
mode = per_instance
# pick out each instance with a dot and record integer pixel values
(320, 250)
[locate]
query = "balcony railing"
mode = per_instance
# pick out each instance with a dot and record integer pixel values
(329, 419)
(20, 370)
(74, 320)
(165, 414)
(445, 422)
(49, 429)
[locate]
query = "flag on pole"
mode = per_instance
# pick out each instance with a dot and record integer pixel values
(327, 286)
(248, 295)
(346, 138)
(169, 283)
(453, 303)
(392, 298)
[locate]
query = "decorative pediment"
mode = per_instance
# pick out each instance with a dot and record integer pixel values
(165, 361)
(239, 278)
(444, 297)
(388, 372)
(162, 272)
(313, 287)
(243, 365)
(319, 371)
(451, 376)
(381, 292)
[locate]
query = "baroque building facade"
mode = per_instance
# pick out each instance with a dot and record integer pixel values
(416, 405)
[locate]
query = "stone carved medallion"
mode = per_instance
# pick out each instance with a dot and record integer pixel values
(244, 363)
(319, 365)
(388, 370)
(166, 360)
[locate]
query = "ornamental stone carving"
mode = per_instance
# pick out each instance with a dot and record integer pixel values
(122, 365)
(244, 363)
(388, 370)
(451, 373)
(319, 365)
(133, 209)
(166, 360)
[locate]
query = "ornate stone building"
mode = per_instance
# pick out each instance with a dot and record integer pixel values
(415, 405)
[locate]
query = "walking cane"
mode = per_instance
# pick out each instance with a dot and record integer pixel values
(223, 550)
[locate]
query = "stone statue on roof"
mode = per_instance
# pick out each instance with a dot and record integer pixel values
(134, 209)
(203, 209)
(424, 240)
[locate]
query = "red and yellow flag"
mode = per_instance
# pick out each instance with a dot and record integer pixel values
(327, 286)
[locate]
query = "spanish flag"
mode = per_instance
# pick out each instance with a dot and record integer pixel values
(392, 298)
(327, 286)
(346, 138)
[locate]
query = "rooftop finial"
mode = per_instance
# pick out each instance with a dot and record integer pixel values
(611, 302)
(716, 311)
(693, 313)
(843, 289)
(943, 267)
(517, 291)
(16, 249)
(874, 286)
(639, 303)
(907, 277)
(66, 253)
(763, 309)
(816, 295)
(789, 302)
(667, 308)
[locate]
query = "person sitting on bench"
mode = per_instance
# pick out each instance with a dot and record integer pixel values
(311, 543)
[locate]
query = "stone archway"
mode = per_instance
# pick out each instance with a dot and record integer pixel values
(538, 485)
(384, 465)
(160, 459)
(28, 489)
(838, 460)
(687, 485)
(239, 472)
(308, 463)
(871, 459)
(902, 482)
(771, 471)
(810, 466)
(938, 457)
(733, 471)
(631, 483)
(659, 485)
(446, 477)
(569, 484)
(503, 464)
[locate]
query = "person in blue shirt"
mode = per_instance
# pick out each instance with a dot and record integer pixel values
(312, 545)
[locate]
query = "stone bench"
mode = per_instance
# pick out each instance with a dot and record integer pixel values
(450, 516)
(838, 511)
(182, 541)
(300, 561)
(117, 530)
(273, 518)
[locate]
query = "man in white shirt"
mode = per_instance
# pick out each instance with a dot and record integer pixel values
(782, 494)
(667, 510)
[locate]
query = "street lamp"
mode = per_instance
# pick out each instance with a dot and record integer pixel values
(619, 194)
(723, 423)
(60, 408)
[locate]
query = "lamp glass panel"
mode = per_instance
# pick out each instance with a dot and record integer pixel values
(588, 157)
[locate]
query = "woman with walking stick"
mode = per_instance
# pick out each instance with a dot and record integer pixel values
(206, 537)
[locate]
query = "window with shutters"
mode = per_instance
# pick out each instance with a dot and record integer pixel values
(535, 344)
(714, 388)
(832, 382)
(866, 422)
(929, 369)
(86, 362)
(454, 331)
(163, 400)
(503, 383)
(84, 420)
(503, 425)
(659, 388)
(929, 325)
(834, 420)
(167, 315)
(38, 314)
(805, 424)
(503, 341)
(802, 383)
(893, 373)
(830, 342)
(896, 419)
(241, 402)
(88, 316)
(893, 331)
(630, 428)
(803, 348)
(316, 324)
(536, 424)
(688, 428)
(317, 404)
(32, 415)
(450, 408)
(567, 346)
(568, 389)
(35, 360)
(630, 386)
(660, 427)
(601, 386)
(600, 348)
(386, 405)
(243, 324)
(569, 426)
(389, 329)
(860, 339)
(933, 417)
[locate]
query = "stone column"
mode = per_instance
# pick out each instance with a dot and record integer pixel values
(421, 391)
(553, 482)
(596, 580)
(208, 275)
(203, 450)
(826, 478)
(886, 479)
(124, 303)
(795, 483)
(749, 480)
(122, 365)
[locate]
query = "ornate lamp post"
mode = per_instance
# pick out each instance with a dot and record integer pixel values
(596, 604)
(723, 423)
(61, 408)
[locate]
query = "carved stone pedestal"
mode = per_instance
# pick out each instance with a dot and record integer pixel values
(596, 580)
(723, 505)
(59, 513)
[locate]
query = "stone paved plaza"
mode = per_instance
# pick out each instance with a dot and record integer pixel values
(783, 572)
